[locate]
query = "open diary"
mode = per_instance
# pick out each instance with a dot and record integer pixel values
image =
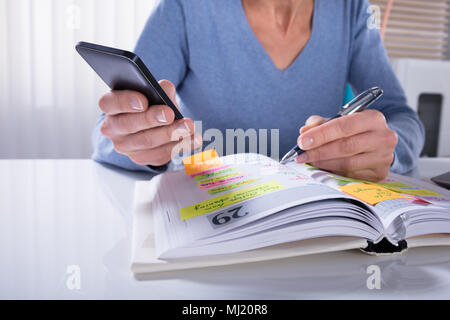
(248, 207)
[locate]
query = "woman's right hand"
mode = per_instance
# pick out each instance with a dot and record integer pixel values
(147, 135)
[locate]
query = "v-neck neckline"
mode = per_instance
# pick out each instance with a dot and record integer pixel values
(262, 52)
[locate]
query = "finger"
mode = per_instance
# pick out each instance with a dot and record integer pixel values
(126, 101)
(348, 165)
(163, 154)
(129, 123)
(350, 125)
(346, 147)
(312, 122)
(156, 137)
(171, 91)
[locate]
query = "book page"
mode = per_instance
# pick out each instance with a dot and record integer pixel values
(389, 198)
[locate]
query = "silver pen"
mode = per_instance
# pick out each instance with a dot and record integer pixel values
(357, 104)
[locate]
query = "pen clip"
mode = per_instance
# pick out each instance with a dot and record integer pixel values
(362, 101)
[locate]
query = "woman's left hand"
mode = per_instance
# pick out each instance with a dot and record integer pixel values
(359, 146)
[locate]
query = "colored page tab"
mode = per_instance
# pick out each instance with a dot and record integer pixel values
(223, 177)
(231, 186)
(204, 166)
(200, 157)
(229, 199)
(417, 192)
(394, 185)
(221, 182)
(416, 199)
(371, 193)
(201, 162)
(219, 172)
(212, 172)
(343, 181)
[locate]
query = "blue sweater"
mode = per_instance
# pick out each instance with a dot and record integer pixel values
(226, 79)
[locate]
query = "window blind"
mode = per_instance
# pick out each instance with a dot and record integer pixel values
(416, 28)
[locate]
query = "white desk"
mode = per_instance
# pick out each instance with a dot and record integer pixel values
(54, 214)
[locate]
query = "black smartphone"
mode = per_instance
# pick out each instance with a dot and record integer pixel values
(124, 70)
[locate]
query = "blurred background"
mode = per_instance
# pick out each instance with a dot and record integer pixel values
(48, 95)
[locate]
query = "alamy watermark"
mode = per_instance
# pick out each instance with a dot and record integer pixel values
(73, 17)
(374, 21)
(373, 282)
(262, 141)
(73, 277)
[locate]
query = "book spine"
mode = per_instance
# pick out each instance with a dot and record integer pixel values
(385, 247)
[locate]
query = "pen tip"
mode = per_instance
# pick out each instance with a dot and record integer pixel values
(288, 157)
(285, 160)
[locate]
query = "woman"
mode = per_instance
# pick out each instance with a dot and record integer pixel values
(264, 64)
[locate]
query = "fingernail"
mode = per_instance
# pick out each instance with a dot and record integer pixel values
(136, 104)
(306, 143)
(303, 158)
(311, 121)
(161, 116)
(183, 129)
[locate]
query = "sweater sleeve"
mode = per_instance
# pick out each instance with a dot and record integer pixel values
(369, 67)
(163, 48)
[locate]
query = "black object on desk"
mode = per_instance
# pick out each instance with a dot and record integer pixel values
(443, 180)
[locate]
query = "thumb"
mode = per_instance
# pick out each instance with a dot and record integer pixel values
(312, 122)
(170, 90)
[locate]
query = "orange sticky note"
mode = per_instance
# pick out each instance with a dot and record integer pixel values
(201, 162)
(371, 193)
